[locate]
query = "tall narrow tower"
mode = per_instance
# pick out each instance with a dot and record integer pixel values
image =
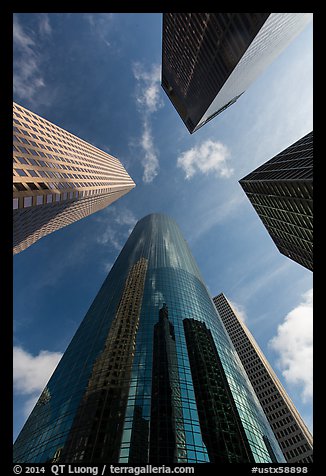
(290, 430)
(57, 178)
(128, 389)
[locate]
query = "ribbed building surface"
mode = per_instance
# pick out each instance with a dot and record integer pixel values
(210, 59)
(150, 375)
(57, 178)
(281, 192)
(290, 430)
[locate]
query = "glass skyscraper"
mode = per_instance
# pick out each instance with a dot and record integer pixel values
(210, 59)
(281, 192)
(151, 375)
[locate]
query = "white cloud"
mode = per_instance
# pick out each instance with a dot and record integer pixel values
(31, 373)
(27, 77)
(100, 24)
(208, 157)
(149, 161)
(44, 24)
(125, 217)
(117, 227)
(20, 37)
(110, 236)
(149, 100)
(148, 93)
(294, 344)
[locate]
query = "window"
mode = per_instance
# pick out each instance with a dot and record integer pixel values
(27, 202)
(22, 160)
(21, 172)
(33, 173)
(39, 200)
(32, 185)
(20, 187)
(15, 203)
(43, 186)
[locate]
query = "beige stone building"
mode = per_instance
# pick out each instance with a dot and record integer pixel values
(58, 178)
(292, 434)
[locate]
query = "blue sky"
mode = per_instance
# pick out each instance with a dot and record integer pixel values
(98, 77)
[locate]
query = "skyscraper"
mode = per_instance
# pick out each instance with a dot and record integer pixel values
(128, 388)
(57, 178)
(290, 430)
(281, 192)
(210, 59)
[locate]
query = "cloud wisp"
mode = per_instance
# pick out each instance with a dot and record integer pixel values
(31, 373)
(206, 158)
(100, 24)
(116, 228)
(44, 24)
(294, 344)
(28, 79)
(149, 100)
(212, 213)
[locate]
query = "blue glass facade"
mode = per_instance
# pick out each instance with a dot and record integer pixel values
(114, 357)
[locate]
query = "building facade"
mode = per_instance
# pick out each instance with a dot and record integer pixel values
(289, 429)
(57, 178)
(129, 387)
(281, 192)
(210, 59)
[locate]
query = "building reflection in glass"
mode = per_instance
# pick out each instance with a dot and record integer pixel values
(220, 424)
(167, 437)
(96, 432)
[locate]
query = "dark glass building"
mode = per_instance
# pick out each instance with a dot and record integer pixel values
(210, 59)
(290, 430)
(281, 192)
(150, 375)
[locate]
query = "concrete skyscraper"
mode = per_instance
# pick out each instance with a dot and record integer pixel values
(290, 430)
(57, 178)
(281, 192)
(150, 375)
(210, 59)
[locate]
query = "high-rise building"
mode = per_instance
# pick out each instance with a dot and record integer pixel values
(289, 429)
(210, 59)
(281, 192)
(150, 375)
(57, 178)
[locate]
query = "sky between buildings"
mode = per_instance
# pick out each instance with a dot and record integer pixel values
(98, 77)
